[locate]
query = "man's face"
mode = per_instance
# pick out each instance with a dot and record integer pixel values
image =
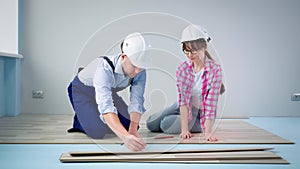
(129, 69)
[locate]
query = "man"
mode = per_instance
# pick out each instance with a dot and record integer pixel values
(93, 94)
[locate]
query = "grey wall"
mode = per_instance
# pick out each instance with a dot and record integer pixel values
(9, 26)
(256, 43)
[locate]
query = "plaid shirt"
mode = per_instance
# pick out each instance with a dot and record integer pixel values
(211, 85)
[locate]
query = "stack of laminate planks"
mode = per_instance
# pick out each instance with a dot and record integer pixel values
(251, 155)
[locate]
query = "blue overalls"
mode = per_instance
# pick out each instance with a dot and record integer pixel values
(86, 117)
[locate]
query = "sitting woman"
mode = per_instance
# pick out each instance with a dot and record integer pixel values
(199, 83)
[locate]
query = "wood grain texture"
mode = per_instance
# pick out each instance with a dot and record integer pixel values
(171, 151)
(239, 157)
(52, 129)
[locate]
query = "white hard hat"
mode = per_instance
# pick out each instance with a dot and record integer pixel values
(134, 47)
(194, 32)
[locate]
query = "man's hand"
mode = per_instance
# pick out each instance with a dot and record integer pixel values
(134, 143)
(134, 132)
(131, 141)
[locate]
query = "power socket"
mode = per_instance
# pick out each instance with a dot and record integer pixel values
(295, 97)
(37, 94)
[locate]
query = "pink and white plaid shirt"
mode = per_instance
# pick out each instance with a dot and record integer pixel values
(211, 85)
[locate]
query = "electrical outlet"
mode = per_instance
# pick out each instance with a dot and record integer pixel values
(37, 94)
(296, 97)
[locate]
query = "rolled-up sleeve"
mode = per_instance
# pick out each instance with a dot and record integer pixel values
(103, 80)
(211, 102)
(184, 82)
(137, 90)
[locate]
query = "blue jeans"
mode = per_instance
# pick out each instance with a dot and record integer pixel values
(168, 121)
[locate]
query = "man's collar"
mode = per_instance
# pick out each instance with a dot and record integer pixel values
(118, 66)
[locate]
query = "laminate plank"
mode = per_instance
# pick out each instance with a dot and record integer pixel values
(252, 157)
(52, 129)
(97, 153)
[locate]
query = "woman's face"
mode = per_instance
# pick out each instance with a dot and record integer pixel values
(128, 68)
(195, 53)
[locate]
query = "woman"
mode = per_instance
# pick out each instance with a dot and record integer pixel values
(199, 83)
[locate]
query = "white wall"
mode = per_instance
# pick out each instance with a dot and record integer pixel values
(256, 41)
(9, 26)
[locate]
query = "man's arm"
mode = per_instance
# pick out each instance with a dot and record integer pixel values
(135, 118)
(131, 141)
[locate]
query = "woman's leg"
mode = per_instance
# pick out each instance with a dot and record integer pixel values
(154, 121)
(171, 124)
(194, 124)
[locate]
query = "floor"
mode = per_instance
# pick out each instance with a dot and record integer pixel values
(52, 129)
(46, 156)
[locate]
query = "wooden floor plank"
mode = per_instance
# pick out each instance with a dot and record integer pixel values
(251, 157)
(106, 153)
(52, 129)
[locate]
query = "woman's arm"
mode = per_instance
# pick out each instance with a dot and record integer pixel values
(184, 80)
(208, 133)
(210, 104)
(184, 113)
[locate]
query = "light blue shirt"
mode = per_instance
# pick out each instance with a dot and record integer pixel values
(105, 80)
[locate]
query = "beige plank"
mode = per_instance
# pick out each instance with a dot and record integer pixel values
(98, 153)
(47, 129)
(190, 157)
(240, 161)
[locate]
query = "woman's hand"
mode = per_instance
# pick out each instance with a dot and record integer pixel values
(185, 135)
(210, 137)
